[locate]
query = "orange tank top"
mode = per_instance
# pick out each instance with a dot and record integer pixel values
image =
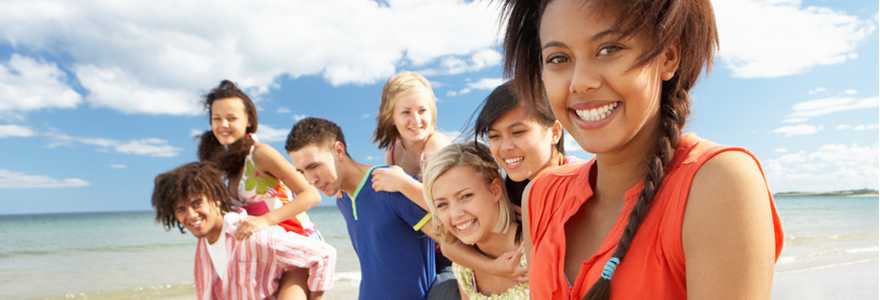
(654, 263)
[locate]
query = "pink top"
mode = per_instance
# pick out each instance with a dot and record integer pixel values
(257, 264)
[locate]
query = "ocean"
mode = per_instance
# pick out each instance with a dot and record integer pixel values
(126, 255)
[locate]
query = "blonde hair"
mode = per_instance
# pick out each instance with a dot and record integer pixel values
(476, 156)
(386, 133)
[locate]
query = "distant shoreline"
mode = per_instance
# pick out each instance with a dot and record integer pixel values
(846, 193)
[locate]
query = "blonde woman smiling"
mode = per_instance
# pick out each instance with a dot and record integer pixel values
(465, 192)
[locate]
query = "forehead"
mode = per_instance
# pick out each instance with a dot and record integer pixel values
(416, 97)
(574, 19)
(517, 115)
(190, 199)
(310, 154)
(455, 179)
(227, 105)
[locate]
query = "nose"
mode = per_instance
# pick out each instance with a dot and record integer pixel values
(584, 78)
(506, 144)
(224, 123)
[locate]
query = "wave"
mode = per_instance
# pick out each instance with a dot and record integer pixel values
(97, 249)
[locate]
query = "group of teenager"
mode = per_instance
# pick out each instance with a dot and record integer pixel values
(505, 214)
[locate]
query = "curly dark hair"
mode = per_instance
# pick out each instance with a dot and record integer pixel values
(183, 184)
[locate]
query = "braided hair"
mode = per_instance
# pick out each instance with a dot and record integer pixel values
(690, 24)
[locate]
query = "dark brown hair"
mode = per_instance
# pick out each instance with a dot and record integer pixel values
(229, 159)
(689, 24)
(184, 183)
(502, 100)
(314, 131)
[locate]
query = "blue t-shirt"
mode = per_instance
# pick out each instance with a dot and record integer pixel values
(397, 262)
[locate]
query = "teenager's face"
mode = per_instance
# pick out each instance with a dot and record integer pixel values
(466, 204)
(318, 163)
(200, 216)
(413, 117)
(520, 144)
(590, 77)
(229, 120)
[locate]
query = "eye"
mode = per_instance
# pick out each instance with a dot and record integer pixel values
(554, 59)
(440, 205)
(608, 50)
(421, 111)
(467, 196)
(519, 132)
(492, 137)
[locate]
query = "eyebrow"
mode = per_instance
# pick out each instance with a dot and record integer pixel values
(593, 38)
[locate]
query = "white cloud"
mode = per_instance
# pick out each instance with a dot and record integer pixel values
(818, 90)
(830, 167)
(195, 133)
(781, 150)
(145, 147)
(794, 120)
(15, 131)
(148, 147)
(27, 84)
(268, 134)
(128, 59)
(850, 92)
(482, 84)
(800, 129)
(766, 38)
(860, 127)
(479, 60)
(824, 106)
(283, 110)
(13, 179)
(118, 166)
(298, 117)
(370, 158)
(366, 115)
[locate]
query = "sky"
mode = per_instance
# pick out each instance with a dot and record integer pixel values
(98, 97)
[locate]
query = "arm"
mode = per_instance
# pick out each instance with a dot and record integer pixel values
(506, 265)
(728, 235)
(270, 161)
(527, 235)
(394, 179)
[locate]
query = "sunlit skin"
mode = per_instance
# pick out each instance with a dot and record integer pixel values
(228, 120)
(610, 105)
(319, 167)
(413, 117)
(467, 206)
(521, 145)
(587, 66)
(200, 217)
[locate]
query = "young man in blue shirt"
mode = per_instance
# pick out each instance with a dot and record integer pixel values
(395, 250)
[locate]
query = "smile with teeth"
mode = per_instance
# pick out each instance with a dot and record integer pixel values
(466, 225)
(513, 161)
(598, 113)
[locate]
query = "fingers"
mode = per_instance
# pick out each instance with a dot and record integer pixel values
(245, 229)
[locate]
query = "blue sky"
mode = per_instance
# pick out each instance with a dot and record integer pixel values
(97, 97)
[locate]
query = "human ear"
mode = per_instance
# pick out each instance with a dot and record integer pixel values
(670, 59)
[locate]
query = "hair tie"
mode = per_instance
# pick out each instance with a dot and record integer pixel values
(610, 266)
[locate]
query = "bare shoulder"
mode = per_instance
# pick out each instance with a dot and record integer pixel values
(728, 191)
(264, 151)
(438, 141)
